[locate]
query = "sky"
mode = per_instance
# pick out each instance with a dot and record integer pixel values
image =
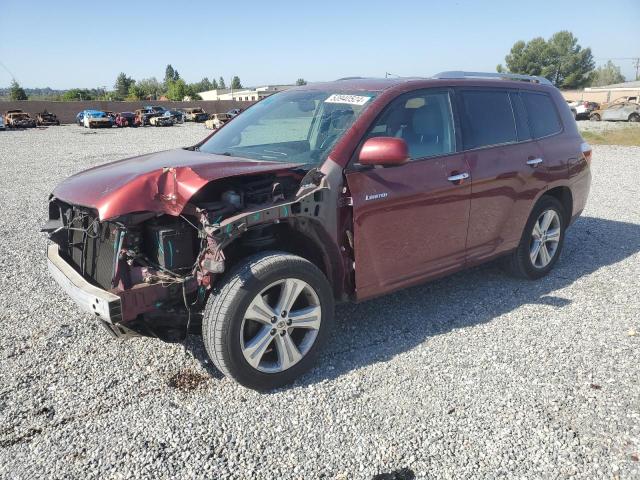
(64, 44)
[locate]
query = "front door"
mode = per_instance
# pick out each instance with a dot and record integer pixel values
(410, 221)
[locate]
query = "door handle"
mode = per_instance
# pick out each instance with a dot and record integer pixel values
(534, 161)
(459, 177)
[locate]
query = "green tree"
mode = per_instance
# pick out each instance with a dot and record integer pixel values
(170, 75)
(221, 83)
(235, 83)
(78, 94)
(135, 92)
(202, 86)
(301, 81)
(178, 90)
(16, 92)
(150, 87)
(214, 84)
(607, 74)
(560, 59)
(122, 85)
(193, 94)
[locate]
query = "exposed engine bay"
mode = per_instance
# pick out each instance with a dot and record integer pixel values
(163, 266)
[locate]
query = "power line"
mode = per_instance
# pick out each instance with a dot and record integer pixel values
(8, 71)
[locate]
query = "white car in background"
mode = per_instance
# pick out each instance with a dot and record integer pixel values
(582, 109)
(96, 120)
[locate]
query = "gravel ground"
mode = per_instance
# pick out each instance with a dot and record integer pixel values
(588, 126)
(474, 376)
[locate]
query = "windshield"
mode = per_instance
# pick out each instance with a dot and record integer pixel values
(297, 126)
(96, 114)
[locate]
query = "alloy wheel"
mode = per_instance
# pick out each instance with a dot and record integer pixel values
(280, 325)
(545, 238)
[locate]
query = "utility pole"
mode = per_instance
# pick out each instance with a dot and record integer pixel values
(636, 63)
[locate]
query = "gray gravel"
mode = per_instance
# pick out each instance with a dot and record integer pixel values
(588, 126)
(474, 376)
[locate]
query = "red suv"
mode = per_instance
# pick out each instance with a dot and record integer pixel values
(327, 192)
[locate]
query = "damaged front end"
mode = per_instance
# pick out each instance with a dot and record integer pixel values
(150, 272)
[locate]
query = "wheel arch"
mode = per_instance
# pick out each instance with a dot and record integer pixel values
(565, 197)
(303, 237)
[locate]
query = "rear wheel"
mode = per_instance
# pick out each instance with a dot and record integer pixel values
(541, 242)
(595, 117)
(269, 319)
(634, 117)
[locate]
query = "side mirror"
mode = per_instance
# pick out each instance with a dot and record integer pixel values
(385, 151)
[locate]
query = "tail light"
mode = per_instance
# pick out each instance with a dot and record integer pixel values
(585, 148)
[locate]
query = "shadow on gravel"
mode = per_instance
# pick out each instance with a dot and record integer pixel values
(379, 329)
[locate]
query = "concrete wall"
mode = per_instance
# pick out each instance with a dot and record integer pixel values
(66, 111)
(601, 96)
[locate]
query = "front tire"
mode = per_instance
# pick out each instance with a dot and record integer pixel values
(541, 241)
(634, 117)
(267, 322)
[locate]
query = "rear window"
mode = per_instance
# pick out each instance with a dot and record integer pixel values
(543, 117)
(487, 118)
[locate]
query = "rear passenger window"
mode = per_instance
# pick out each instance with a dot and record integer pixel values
(543, 116)
(487, 118)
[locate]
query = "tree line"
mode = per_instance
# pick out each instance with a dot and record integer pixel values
(172, 87)
(562, 61)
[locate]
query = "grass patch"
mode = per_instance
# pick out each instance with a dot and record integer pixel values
(629, 136)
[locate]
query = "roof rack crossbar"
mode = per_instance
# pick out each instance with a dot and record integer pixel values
(502, 76)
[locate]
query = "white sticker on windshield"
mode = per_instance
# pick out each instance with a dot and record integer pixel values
(348, 99)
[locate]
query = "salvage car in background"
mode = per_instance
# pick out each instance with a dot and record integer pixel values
(2, 127)
(618, 112)
(18, 119)
(156, 108)
(145, 114)
(112, 116)
(161, 121)
(97, 119)
(125, 119)
(216, 120)
(195, 114)
(583, 109)
(259, 229)
(177, 115)
(80, 116)
(46, 119)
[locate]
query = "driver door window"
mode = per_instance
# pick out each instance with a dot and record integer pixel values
(423, 119)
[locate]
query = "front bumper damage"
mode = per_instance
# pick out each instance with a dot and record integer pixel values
(142, 273)
(106, 306)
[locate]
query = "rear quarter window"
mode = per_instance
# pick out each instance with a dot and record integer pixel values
(543, 116)
(488, 118)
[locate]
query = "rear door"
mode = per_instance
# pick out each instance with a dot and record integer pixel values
(410, 221)
(507, 168)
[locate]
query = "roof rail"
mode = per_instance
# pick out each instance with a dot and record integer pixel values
(501, 76)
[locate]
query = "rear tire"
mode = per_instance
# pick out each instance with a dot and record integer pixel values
(541, 242)
(243, 321)
(595, 117)
(634, 117)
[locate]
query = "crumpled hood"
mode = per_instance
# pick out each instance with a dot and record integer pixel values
(160, 182)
